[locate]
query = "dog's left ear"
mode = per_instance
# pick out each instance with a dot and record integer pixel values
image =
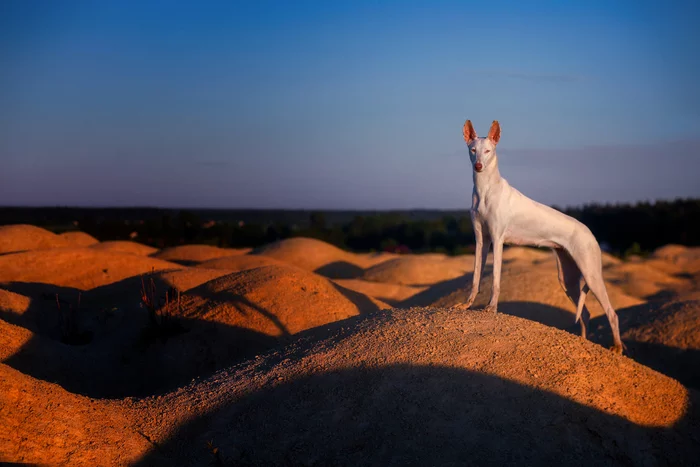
(495, 132)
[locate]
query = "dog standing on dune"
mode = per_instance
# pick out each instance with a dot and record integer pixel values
(501, 214)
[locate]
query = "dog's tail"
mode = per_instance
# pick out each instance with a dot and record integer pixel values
(581, 302)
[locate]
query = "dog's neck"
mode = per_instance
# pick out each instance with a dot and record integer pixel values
(487, 178)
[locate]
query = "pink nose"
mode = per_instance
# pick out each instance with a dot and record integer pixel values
(478, 167)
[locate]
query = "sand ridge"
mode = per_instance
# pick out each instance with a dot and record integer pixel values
(189, 255)
(42, 423)
(78, 239)
(430, 386)
(275, 300)
(21, 237)
(419, 270)
(320, 257)
(125, 246)
(267, 360)
(239, 262)
(80, 268)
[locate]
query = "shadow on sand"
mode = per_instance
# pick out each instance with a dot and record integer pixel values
(340, 270)
(124, 355)
(678, 363)
(456, 291)
(418, 415)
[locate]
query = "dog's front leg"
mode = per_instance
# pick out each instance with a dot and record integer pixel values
(497, 261)
(481, 252)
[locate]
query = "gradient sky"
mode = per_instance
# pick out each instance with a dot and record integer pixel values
(344, 105)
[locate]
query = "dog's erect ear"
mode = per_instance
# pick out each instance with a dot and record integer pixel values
(468, 131)
(495, 132)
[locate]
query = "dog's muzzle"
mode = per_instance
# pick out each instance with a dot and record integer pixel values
(478, 167)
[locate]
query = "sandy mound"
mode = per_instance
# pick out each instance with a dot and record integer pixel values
(610, 260)
(525, 254)
(28, 237)
(240, 262)
(80, 268)
(113, 348)
(130, 288)
(78, 239)
(530, 291)
(663, 336)
(11, 302)
(189, 255)
(672, 324)
(644, 280)
(317, 256)
(393, 294)
(275, 300)
(372, 259)
(419, 270)
(679, 259)
(124, 246)
(35, 314)
(42, 423)
(429, 387)
(116, 351)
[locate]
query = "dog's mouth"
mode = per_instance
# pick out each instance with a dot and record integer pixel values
(478, 167)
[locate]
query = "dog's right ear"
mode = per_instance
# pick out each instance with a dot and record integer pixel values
(468, 132)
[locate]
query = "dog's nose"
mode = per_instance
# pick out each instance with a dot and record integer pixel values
(478, 167)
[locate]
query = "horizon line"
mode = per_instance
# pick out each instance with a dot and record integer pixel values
(467, 208)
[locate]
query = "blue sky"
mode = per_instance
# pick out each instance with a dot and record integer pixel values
(344, 104)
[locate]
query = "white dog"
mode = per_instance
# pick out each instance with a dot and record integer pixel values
(501, 214)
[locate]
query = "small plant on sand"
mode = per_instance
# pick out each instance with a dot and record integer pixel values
(69, 329)
(216, 455)
(162, 313)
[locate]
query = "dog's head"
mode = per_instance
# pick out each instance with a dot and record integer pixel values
(481, 150)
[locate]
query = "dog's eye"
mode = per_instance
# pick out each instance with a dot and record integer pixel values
(487, 151)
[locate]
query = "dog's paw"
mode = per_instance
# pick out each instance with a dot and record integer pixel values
(618, 348)
(462, 306)
(491, 309)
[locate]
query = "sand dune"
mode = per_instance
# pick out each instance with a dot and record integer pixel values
(125, 246)
(219, 322)
(240, 262)
(356, 383)
(190, 255)
(528, 290)
(662, 335)
(317, 256)
(78, 239)
(80, 268)
(42, 423)
(128, 290)
(372, 259)
(36, 314)
(393, 294)
(11, 302)
(429, 387)
(674, 324)
(419, 270)
(22, 237)
(275, 300)
(680, 258)
(644, 280)
(519, 253)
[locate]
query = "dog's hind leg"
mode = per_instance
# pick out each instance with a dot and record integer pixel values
(591, 268)
(570, 280)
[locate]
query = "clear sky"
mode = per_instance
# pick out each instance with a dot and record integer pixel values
(343, 105)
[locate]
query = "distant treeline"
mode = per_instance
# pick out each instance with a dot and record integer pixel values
(621, 228)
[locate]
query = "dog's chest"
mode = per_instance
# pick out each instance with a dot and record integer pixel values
(486, 209)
